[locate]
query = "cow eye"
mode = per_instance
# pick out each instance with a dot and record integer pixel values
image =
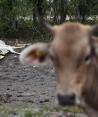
(87, 58)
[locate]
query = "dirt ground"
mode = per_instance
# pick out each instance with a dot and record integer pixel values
(26, 85)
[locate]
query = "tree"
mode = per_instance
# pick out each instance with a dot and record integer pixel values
(81, 9)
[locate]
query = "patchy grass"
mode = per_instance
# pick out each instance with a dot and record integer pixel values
(37, 112)
(28, 114)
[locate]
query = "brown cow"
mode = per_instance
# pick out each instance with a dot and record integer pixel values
(74, 55)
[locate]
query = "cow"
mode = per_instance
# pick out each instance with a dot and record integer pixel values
(74, 54)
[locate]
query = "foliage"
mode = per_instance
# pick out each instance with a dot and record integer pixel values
(22, 18)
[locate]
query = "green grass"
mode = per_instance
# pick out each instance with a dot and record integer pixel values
(28, 114)
(34, 112)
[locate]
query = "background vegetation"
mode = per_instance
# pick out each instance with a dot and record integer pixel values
(22, 18)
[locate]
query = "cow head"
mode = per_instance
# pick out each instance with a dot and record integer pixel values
(73, 53)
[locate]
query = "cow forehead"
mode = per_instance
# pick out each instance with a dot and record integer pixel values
(71, 32)
(71, 36)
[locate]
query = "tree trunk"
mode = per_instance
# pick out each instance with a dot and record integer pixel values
(34, 15)
(55, 9)
(62, 11)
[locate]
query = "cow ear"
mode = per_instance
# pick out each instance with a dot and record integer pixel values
(35, 54)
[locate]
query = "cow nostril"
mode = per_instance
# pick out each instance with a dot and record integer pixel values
(66, 99)
(72, 96)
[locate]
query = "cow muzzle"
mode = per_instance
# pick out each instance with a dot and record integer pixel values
(66, 100)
